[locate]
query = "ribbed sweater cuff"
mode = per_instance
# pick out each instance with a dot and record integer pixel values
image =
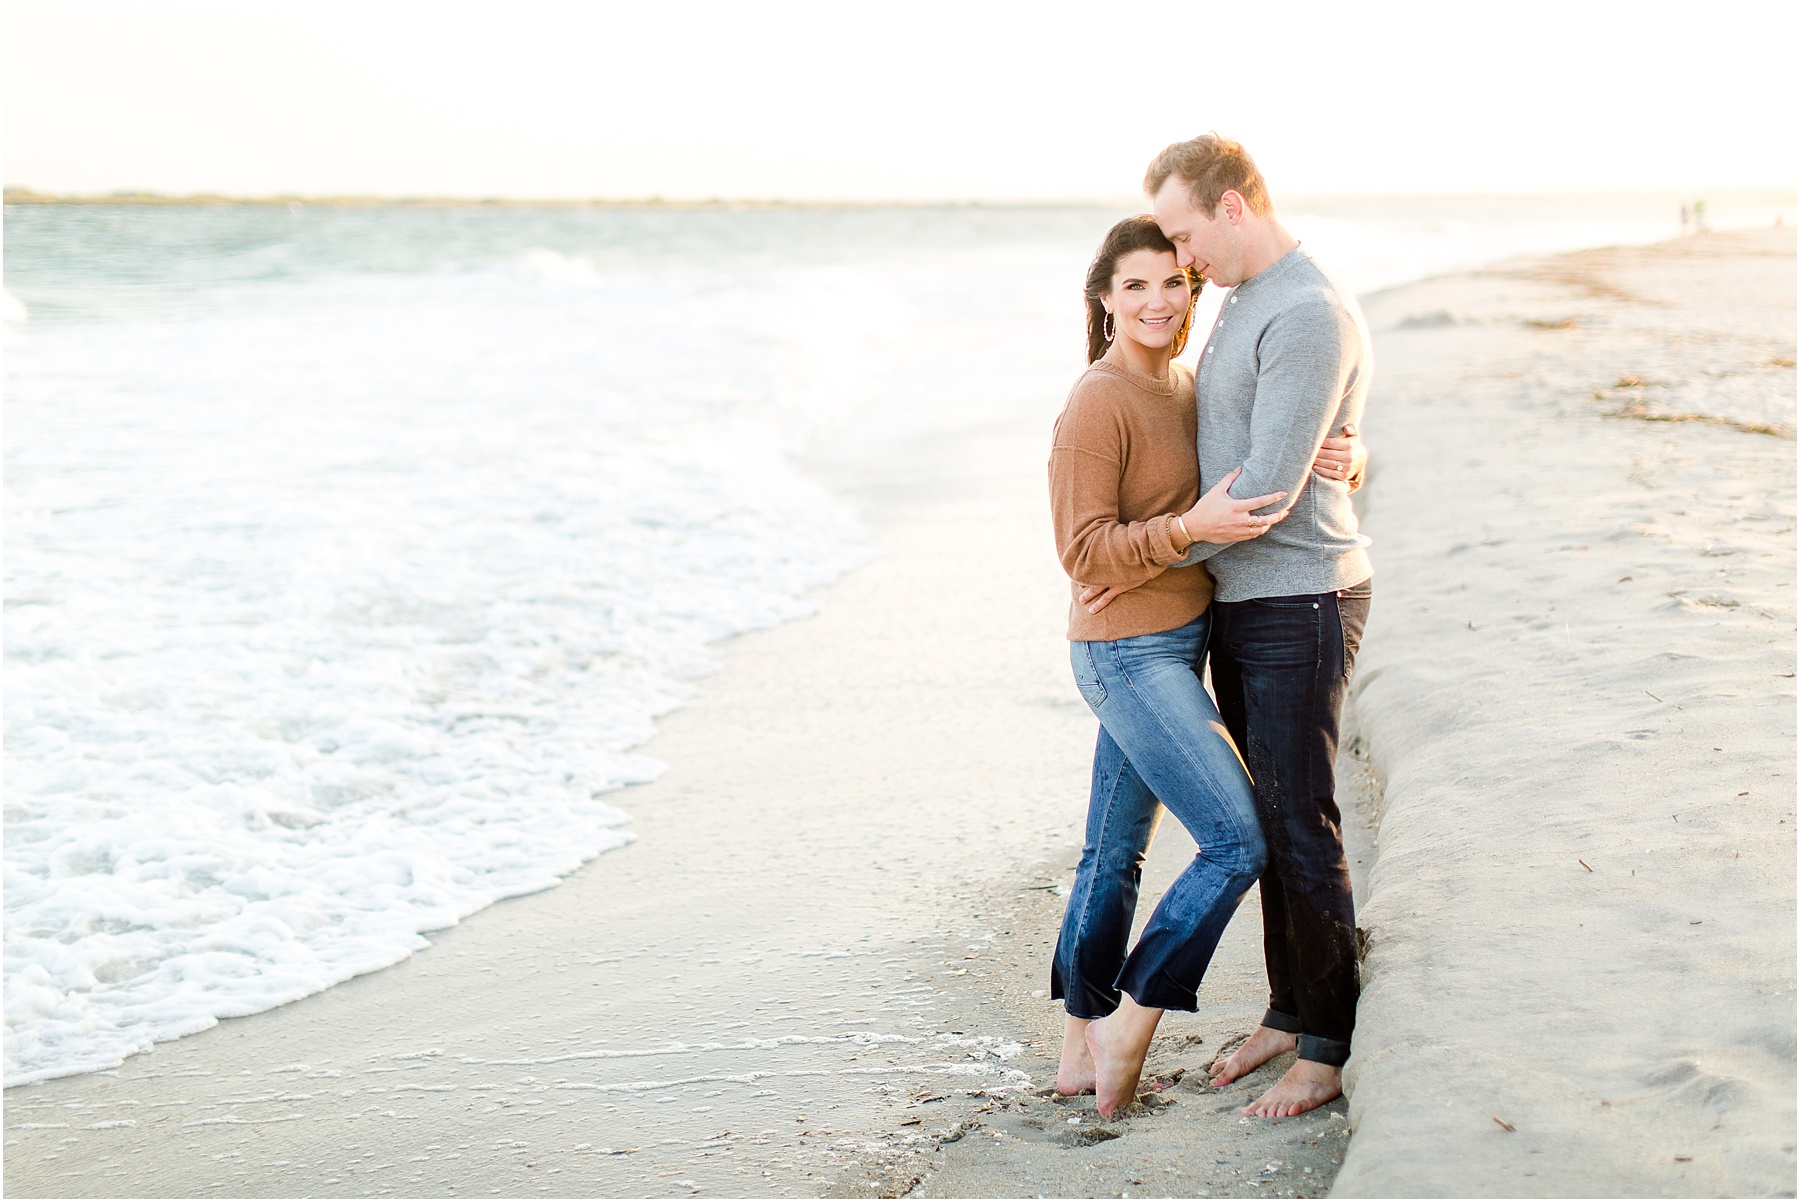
(1162, 544)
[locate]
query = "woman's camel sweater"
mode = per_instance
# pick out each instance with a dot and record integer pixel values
(1121, 467)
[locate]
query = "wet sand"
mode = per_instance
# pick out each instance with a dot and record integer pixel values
(1190, 1140)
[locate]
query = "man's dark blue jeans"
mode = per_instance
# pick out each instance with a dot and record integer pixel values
(1280, 670)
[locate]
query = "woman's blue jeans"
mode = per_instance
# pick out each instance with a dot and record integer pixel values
(1160, 737)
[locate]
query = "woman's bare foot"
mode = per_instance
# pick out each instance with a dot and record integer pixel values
(1264, 1044)
(1075, 1075)
(1306, 1086)
(1118, 1044)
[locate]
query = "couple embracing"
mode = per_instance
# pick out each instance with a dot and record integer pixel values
(1206, 516)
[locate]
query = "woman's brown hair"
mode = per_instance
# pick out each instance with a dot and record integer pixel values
(1131, 234)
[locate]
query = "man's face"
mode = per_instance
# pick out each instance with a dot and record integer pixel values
(1210, 245)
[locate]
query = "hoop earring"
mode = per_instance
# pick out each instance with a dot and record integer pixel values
(1106, 327)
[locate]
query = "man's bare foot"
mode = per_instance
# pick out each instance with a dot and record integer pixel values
(1264, 1044)
(1306, 1086)
(1118, 1044)
(1075, 1075)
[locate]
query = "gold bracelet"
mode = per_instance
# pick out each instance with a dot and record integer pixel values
(1184, 530)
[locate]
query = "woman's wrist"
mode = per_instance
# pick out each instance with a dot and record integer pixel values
(1187, 539)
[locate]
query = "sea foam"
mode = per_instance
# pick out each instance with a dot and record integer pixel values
(329, 625)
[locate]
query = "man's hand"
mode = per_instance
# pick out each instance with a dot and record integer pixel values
(1097, 598)
(1342, 458)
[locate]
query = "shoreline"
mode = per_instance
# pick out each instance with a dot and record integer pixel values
(712, 1008)
(815, 971)
(756, 997)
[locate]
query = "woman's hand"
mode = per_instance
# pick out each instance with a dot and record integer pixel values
(1342, 458)
(1219, 517)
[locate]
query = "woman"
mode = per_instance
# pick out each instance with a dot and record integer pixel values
(1125, 497)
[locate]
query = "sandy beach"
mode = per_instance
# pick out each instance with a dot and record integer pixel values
(821, 966)
(1579, 684)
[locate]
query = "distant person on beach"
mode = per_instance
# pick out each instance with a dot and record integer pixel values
(1287, 364)
(1126, 505)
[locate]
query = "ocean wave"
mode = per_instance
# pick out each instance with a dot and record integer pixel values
(312, 654)
(545, 264)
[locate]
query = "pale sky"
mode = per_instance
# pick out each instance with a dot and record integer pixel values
(924, 100)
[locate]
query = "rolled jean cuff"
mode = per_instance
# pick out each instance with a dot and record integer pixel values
(1158, 992)
(1083, 1003)
(1275, 1020)
(1086, 1007)
(1325, 1051)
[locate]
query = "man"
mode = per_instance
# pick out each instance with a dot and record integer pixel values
(1286, 364)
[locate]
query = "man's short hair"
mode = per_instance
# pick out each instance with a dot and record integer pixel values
(1210, 165)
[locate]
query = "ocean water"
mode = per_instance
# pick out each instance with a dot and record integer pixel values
(351, 551)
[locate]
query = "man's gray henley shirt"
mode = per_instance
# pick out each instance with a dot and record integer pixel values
(1287, 363)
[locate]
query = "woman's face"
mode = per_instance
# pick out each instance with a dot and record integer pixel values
(1149, 298)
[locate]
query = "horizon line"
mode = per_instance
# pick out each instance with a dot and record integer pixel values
(17, 194)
